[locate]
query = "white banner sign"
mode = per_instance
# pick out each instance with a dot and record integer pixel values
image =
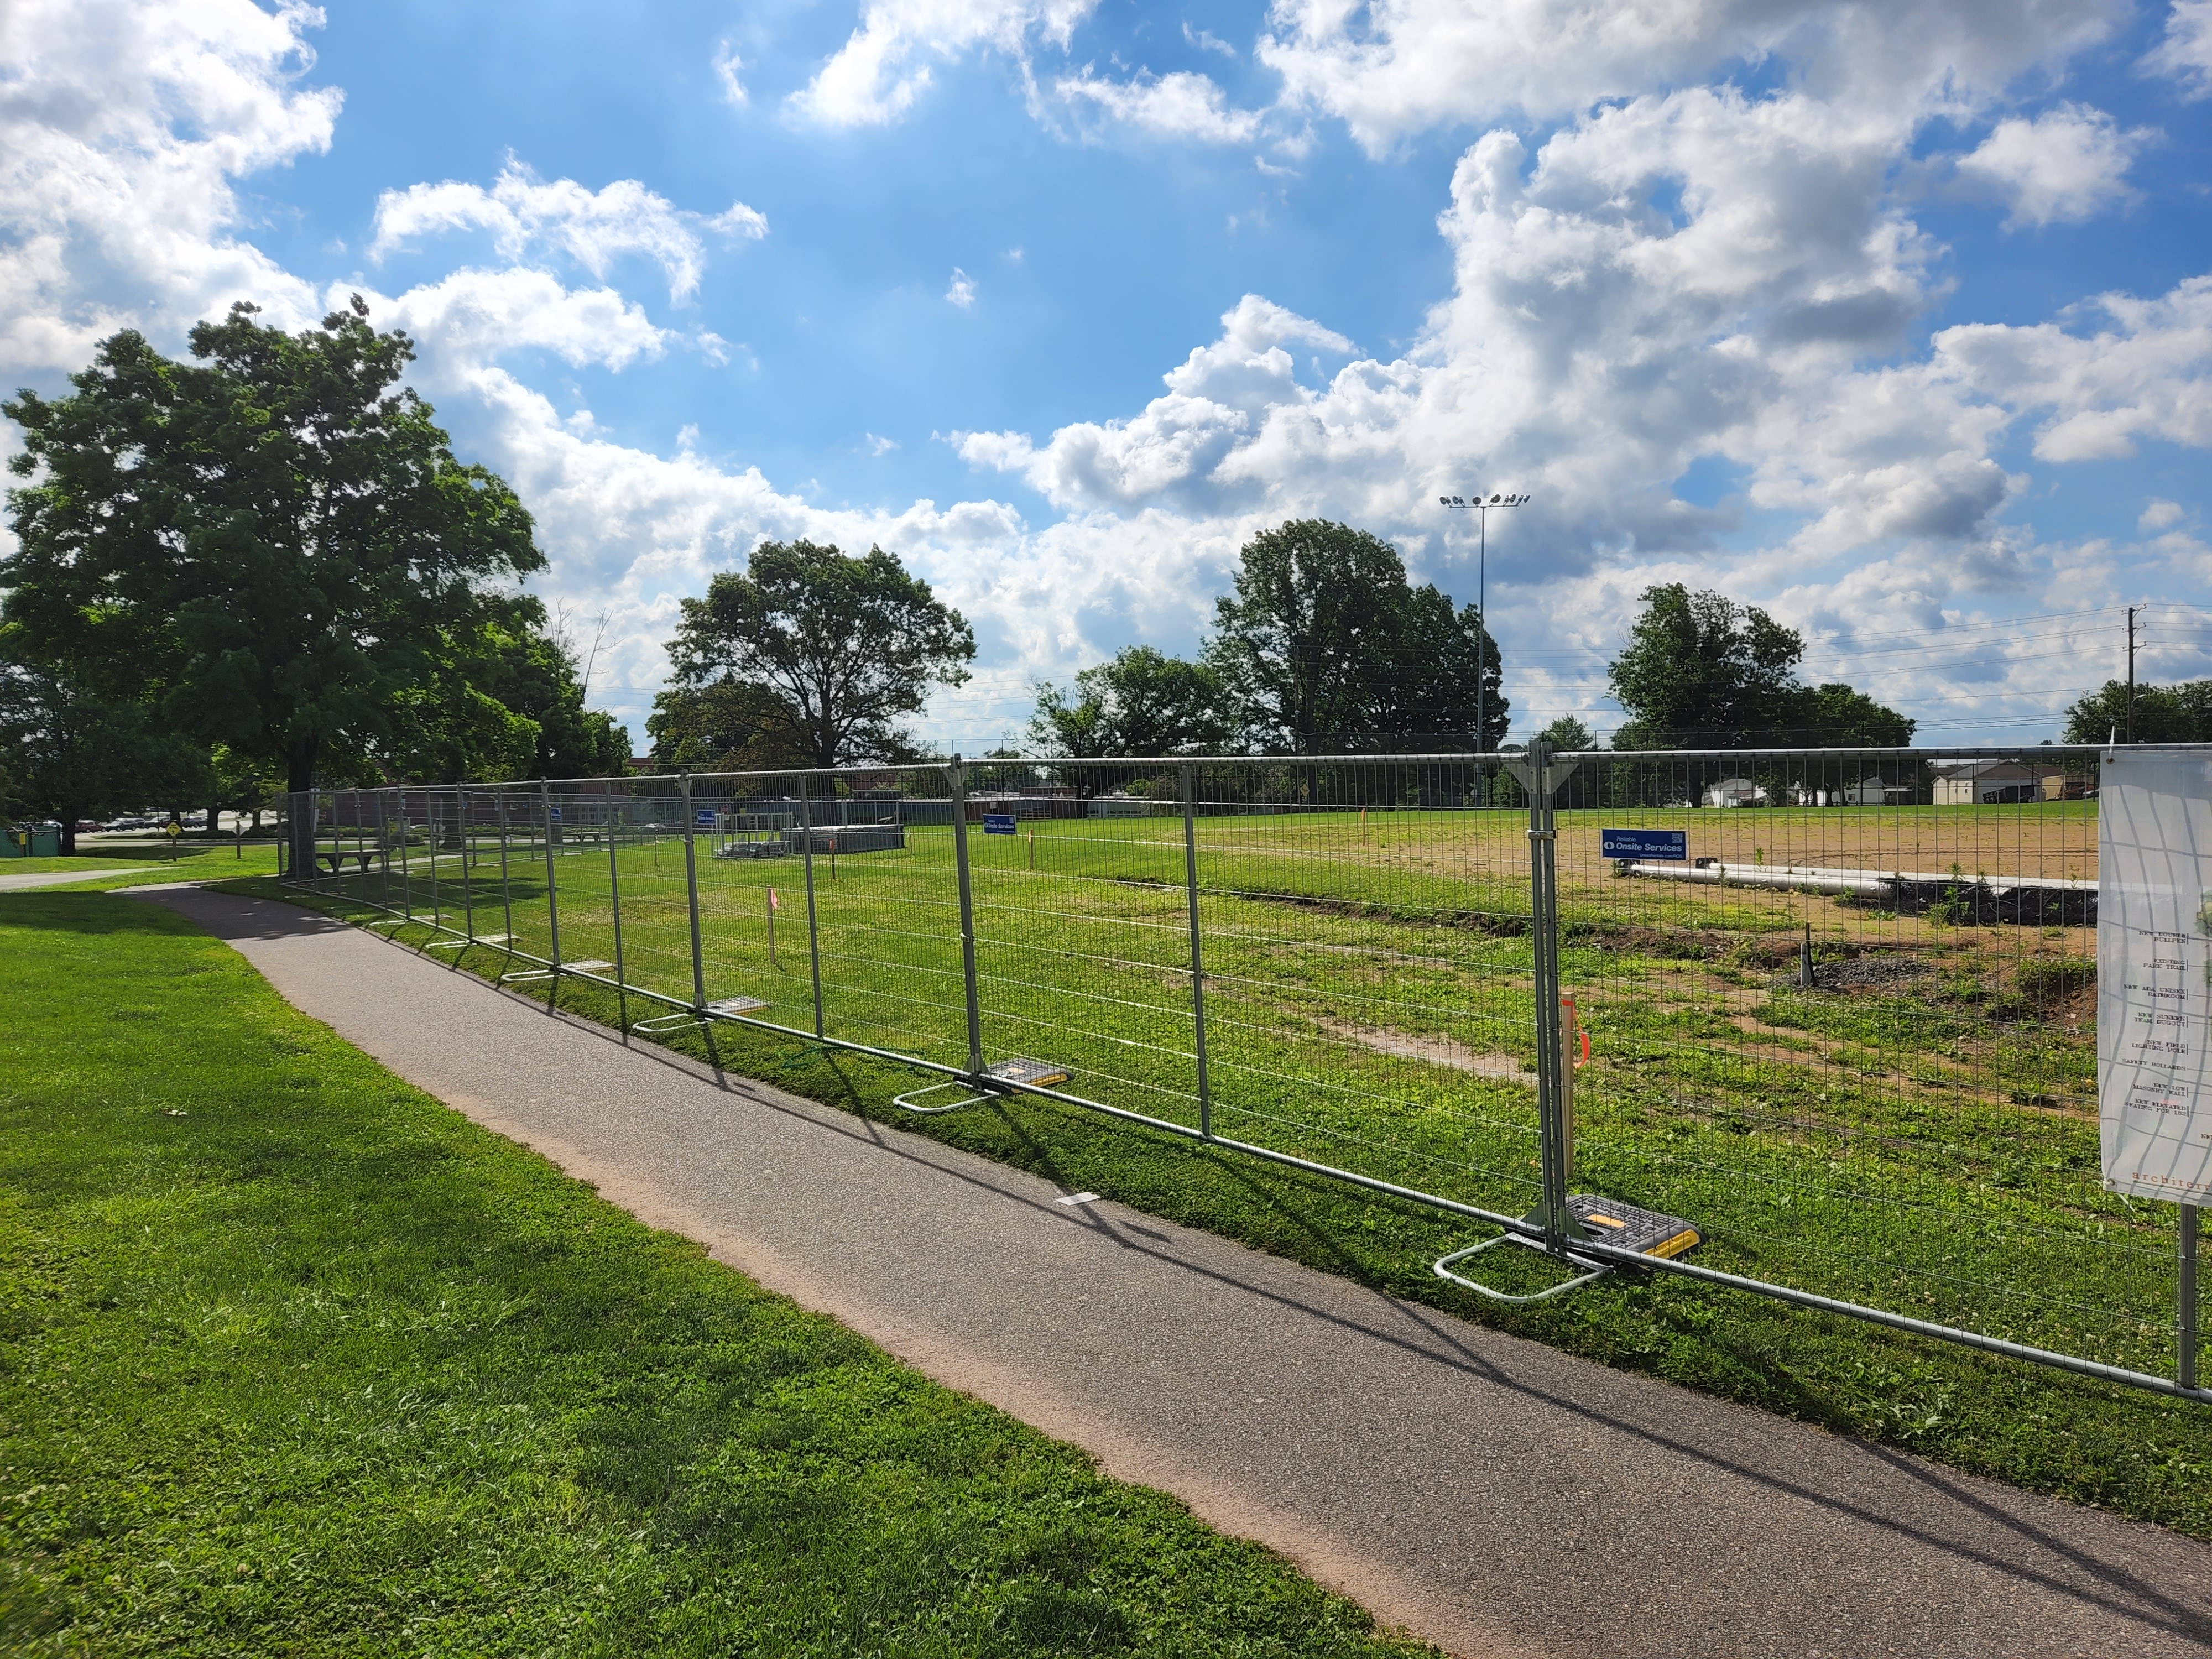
(2154, 974)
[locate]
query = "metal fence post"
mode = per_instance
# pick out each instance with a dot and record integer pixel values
(614, 906)
(813, 932)
(361, 838)
(468, 881)
(1543, 923)
(2186, 1372)
(1197, 961)
(506, 889)
(437, 910)
(691, 888)
(956, 777)
(552, 898)
(406, 873)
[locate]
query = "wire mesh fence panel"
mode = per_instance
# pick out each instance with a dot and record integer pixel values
(356, 848)
(752, 910)
(1850, 1033)
(887, 910)
(647, 871)
(531, 916)
(582, 833)
(1083, 943)
(1366, 930)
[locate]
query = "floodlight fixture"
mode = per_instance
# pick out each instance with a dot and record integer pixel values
(1480, 508)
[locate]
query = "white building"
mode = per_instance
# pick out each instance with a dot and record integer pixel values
(1986, 782)
(1734, 791)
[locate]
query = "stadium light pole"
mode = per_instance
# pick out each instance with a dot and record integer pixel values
(1480, 506)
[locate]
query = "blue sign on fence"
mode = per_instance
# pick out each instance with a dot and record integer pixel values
(706, 817)
(556, 812)
(998, 823)
(1664, 845)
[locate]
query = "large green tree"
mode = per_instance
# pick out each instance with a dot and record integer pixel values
(1324, 644)
(2163, 713)
(848, 647)
(1701, 671)
(725, 726)
(271, 547)
(1139, 702)
(69, 753)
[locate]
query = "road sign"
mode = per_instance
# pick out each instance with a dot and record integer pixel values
(998, 823)
(1666, 846)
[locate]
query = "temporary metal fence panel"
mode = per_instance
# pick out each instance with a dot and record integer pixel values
(1365, 933)
(1850, 1031)
(1838, 1005)
(887, 910)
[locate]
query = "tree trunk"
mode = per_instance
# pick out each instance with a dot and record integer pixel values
(299, 780)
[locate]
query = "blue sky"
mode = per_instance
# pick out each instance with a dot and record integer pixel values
(1892, 317)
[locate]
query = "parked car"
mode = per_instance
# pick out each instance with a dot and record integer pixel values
(88, 826)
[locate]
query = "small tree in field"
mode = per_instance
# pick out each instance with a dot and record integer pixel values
(844, 648)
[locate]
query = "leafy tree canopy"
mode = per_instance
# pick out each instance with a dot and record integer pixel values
(1140, 702)
(1325, 644)
(1701, 671)
(1838, 716)
(1569, 734)
(69, 754)
(2163, 713)
(269, 548)
(847, 648)
(726, 726)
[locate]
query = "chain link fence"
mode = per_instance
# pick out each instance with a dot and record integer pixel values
(1819, 1025)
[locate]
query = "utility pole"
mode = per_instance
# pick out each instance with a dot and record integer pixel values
(2130, 718)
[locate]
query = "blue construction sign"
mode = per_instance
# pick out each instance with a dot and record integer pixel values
(706, 817)
(998, 823)
(555, 812)
(1663, 845)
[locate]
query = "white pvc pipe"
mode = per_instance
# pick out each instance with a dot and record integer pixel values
(1820, 878)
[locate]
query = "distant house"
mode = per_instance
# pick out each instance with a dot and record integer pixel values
(1986, 782)
(1734, 791)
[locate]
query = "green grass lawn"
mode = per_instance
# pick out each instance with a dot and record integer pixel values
(294, 1360)
(1923, 1138)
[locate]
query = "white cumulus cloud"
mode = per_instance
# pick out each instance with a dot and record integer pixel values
(2061, 167)
(728, 64)
(962, 291)
(1178, 105)
(123, 127)
(875, 76)
(2146, 375)
(1391, 71)
(2185, 50)
(593, 227)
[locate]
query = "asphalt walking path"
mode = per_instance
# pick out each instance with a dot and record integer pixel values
(1491, 1494)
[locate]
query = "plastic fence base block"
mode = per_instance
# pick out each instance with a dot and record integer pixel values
(1037, 1074)
(1625, 1227)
